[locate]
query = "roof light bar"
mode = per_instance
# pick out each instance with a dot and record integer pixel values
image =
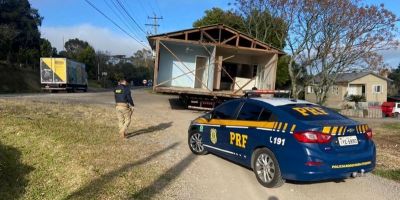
(266, 91)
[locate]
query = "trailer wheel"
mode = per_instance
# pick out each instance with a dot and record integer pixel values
(396, 115)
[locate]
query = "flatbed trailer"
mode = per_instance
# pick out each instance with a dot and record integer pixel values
(200, 99)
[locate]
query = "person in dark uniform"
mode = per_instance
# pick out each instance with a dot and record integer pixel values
(124, 106)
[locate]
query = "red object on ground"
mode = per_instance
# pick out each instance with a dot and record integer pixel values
(387, 108)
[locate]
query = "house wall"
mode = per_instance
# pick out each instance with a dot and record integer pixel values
(266, 72)
(337, 101)
(369, 81)
(170, 67)
(335, 96)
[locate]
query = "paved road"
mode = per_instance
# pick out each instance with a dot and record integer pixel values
(211, 177)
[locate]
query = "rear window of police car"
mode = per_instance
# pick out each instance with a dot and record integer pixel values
(311, 112)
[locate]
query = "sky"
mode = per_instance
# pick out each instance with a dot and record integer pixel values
(70, 19)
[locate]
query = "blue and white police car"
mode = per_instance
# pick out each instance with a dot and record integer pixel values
(283, 139)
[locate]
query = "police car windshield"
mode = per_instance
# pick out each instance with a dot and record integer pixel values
(311, 112)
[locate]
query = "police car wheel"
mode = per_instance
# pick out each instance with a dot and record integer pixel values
(266, 168)
(196, 143)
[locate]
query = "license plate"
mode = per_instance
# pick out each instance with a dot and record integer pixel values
(348, 140)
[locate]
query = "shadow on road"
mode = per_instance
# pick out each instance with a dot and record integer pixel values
(150, 129)
(94, 187)
(315, 182)
(176, 104)
(12, 173)
(164, 180)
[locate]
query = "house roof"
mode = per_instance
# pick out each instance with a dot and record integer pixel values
(218, 35)
(349, 77)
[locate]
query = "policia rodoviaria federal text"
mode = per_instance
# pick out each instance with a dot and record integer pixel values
(124, 106)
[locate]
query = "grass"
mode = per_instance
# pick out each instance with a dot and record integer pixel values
(390, 174)
(71, 151)
(393, 126)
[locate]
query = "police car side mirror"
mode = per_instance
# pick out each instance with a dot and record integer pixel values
(208, 116)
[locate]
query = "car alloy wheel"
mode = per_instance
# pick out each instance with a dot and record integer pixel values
(196, 143)
(265, 168)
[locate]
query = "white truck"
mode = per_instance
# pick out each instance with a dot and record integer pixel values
(396, 110)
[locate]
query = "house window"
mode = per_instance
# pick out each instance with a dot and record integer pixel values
(335, 90)
(377, 88)
(310, 89)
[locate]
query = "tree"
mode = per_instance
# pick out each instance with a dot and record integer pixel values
(259, 24)
(143, 58)
(82, 51)
(46, 50)
(395, 76)
(7, 35)
(219, 16)
(329, 37)
(19, 33)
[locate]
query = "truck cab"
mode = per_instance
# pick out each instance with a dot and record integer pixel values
(396, 110)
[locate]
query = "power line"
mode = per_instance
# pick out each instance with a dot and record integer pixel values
(129, 6)
(121, 18)
(123, 7)
(143, 7)
(123, 14)
(123, 30)
(158, 7)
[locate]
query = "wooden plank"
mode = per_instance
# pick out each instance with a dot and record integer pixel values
(156, 64)
(229, 39)
(219, 34)
(217, 74)
(175, 34)
(209, 36)
(220, 27)
(237, 40)
(219, 45)
(229, 30)
(186, 36)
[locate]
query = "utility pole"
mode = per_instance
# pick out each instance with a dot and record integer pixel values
(155, 25)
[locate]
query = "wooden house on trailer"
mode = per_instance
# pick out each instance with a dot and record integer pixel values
(212, 61)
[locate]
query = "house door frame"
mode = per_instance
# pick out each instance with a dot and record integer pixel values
(200, 74)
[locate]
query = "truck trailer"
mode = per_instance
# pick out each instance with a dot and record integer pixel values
(208, 65)
(58, 74)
